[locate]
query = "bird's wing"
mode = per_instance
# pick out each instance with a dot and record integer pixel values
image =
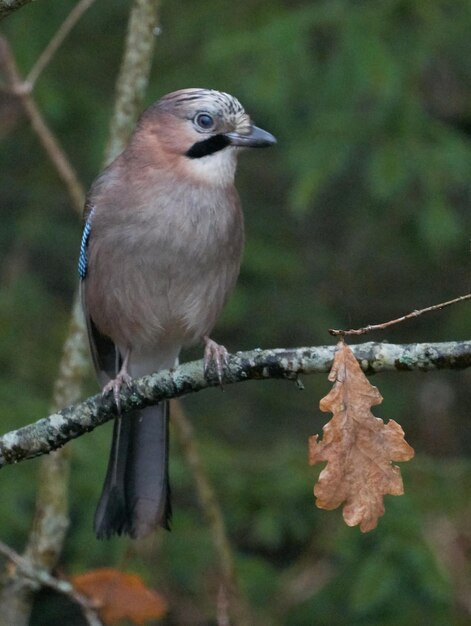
(105, 355)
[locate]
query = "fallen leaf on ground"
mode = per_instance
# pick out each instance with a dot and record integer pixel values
(118, 596)
(359, 448)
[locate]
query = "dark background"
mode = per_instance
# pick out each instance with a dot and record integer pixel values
(360, 214)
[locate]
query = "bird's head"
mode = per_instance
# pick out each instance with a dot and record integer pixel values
(200, 131)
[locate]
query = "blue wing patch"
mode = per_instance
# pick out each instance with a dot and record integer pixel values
(83, 261)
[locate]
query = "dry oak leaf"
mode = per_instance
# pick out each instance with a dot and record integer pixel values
(359, 448)
(118, 596)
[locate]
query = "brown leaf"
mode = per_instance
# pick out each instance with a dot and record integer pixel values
(359, 448)
(119, 596)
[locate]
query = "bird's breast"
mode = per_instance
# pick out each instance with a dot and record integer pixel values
(164, 268)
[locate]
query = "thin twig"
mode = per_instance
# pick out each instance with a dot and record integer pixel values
(9, 6)
(51, 519)
(230, 591)
(41, 577)
(131, 84)
(46, 137)
(49, 51)
(413, 314)
(51, 513)
(222, 615)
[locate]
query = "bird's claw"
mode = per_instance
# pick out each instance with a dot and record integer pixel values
(215, 355)
(115, 385)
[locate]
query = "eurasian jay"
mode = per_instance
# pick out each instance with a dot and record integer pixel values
(160, 254)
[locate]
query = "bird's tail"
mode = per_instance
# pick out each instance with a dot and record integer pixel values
(136, 493)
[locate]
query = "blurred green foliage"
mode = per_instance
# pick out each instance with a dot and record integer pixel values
(360, 214)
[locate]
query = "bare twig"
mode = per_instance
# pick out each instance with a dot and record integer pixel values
(230, 594)
(222, 615)
(51, 505)
(51, 515)
(46, 137)
(9, 6)
(51, 519)
(413, 314)
(133, 76)
(48, 53)
(41, 577)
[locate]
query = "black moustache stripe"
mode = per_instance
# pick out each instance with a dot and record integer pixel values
(208, 146)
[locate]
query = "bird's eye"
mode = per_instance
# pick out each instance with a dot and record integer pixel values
(204, 121)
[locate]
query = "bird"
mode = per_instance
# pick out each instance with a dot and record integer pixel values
(160, 253)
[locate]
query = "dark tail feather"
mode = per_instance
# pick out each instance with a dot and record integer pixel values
(136, 493)
(110, 514)
(147, 482)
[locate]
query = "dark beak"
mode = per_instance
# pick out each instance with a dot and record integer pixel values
(257, 138)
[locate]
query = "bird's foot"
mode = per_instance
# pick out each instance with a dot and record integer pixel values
(123, 378)
(215, 355)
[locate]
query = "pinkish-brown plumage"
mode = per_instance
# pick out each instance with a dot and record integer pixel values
(163, 256)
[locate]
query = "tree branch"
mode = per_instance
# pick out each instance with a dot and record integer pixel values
(231, 595)
(9, 6)
(133, 78)
(403, 318)
(51, 520)
(62, 33)
(49, 142)
(38, 578)
(53, 432)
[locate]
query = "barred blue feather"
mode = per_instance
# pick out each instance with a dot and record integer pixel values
(83, 261)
